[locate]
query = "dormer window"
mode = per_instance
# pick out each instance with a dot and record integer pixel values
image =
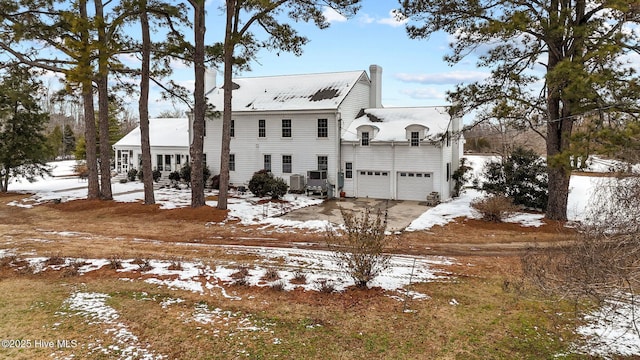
(415, 138)
(415, 133)
(366, 133)
(364, 138)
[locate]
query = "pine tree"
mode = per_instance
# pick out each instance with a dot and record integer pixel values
(552, 62)
(23, 145)
(521, 176)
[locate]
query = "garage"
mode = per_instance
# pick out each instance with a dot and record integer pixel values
(374, 184)
(414, 185)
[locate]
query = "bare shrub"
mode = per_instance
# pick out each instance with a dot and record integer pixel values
(326, 286)
(8, 261)
(176, 264)
(299, 277)
(271, 275)
(143, 264)
(360, 247)
(115, 262)
(603, 263)
(241, 277)
(278, 285)
(73, 269)
(494, 208)
(55, 260)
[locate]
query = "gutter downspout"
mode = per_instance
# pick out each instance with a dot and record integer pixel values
(394, 186)
(338, 166)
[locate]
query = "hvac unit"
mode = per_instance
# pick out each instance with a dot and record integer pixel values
(296, 183)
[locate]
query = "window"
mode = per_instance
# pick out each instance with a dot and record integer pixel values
(286, 164)
(178, 159)
(204, 159)
(365, 138)
(348, 170)
(232, 162)
(323, 163)
(267, 162)
(286, 128)
(448, 171)
(159, 162)
(262, 128)
(448, 138)
(167, 162)
(415, 138)
(232, 130)
(323, 128)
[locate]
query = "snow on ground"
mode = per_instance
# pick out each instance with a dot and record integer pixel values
(94, 308)
(318, 265)
(611, 330)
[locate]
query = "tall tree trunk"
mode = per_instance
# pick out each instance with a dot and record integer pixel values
(143, 106)
(199, 109)
(560, 105)
(89, 114)
(103, 104)
(90, 135)
(229, 46)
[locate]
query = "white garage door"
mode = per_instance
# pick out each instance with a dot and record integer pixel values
(414, 185)
(374, 184)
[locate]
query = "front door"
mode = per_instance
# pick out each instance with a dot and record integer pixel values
(125, 162)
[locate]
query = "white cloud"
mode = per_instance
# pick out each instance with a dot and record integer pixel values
(333, 16)
(452, 77)
(395, 19)
(424, 93)
(129, 59)
(366, 19)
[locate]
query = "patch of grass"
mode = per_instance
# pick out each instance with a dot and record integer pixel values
(487, 323)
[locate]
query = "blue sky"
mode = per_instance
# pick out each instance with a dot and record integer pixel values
(414, 73)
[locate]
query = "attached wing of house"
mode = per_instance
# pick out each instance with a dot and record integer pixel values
(169, 140)
(400, 153)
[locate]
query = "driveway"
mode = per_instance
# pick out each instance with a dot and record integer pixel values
(400, 212)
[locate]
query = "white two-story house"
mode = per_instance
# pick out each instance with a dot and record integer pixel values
(334, 122)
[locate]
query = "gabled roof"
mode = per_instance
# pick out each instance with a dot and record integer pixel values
(289, 92)
(173, 132)
(392, 122)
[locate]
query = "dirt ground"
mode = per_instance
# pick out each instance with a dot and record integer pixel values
(113, 220)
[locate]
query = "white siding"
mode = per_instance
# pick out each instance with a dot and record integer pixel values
(304, 146)
(356, 100)
(425, 158)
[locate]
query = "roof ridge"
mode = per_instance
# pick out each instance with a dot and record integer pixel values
(307, 74)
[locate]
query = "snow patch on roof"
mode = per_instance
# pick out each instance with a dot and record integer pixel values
(172, 132)
(392, 122)
(289, 92)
